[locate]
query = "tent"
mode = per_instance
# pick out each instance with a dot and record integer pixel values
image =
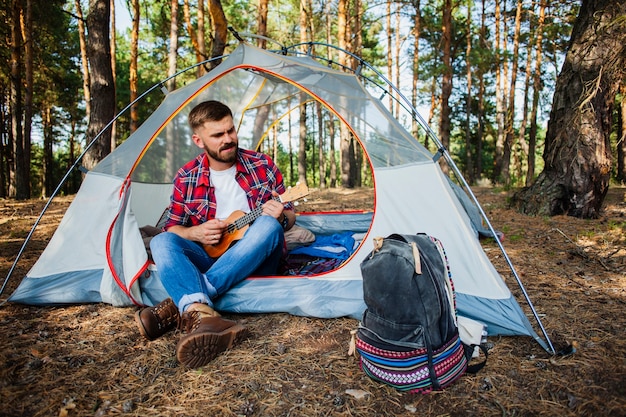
(97, 253)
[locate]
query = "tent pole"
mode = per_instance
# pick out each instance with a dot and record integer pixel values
(500, 245)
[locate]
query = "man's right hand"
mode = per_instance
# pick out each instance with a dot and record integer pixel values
(207, 233)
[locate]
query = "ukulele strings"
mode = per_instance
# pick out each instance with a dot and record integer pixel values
(246, 219)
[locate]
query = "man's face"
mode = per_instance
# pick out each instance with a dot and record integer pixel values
(219, 140)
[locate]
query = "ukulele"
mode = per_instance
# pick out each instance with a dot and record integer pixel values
(238, 221)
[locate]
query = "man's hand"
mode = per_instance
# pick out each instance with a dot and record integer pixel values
(276, 209)
(272, 207)
(207, 233)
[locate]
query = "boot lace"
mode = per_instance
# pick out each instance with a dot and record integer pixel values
(189, 321)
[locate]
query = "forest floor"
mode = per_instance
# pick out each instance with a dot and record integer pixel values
(89, 360)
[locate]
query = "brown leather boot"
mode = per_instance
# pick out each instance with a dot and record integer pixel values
(154, 322)
(206, 337)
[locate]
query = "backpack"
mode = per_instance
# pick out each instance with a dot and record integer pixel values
(408, 337)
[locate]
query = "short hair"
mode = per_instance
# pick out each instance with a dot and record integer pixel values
(210, 110)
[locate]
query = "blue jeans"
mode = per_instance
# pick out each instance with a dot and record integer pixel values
(190, 276)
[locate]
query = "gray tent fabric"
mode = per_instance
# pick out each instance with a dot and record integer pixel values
(472, 212)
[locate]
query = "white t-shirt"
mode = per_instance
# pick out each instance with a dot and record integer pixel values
(229, 196)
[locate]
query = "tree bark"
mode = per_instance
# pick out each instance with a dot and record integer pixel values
(302, 163)
(172, 145)
(577, 148)
(4, 154)
(621, 141)
(27, 35)
(20, 170)
(302, 143)
(389, 56)
(321, 162)
(510, 109)
(500, 137)
(84, 59)
(469, 160)
(197, 39)
(220, 31)
(133, 77)
(113, 45)
(262, 23)
(172, 53)
(102, 86)
(478, 169)
(415, 64)
(345, 138)
(446, 82)
(397, 55)
(48, 156)
(532, 134)
(200, 38)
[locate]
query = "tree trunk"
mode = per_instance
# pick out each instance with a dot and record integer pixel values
(345, 138)
(197, 39)
(263, 112)
(102, 86)
(434, 102)
(302, 163)
(220, 33)
(469, 160)
(48, 156)
(521, 135)
(113, 43)
(303, 138)
(397, 55)
(532, 134)
(389, 56)
(262, 23)
(321, 163)
(510, 108)
(481, 99)
(27, 31)
(172, 145)
(357, 42)
(500, 136)
(21, 177)
(577, 150)
(415, 65)
(133, 78)
(4, 154)
(83, 55)
(333, 159)
(446, 82)
(172, 53)
(200, 38)
(621, 141)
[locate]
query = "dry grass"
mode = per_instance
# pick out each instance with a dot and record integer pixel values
(89, 360)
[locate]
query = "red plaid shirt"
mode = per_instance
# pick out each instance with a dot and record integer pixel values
(193, 199)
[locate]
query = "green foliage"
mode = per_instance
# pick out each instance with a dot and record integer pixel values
(58, 78)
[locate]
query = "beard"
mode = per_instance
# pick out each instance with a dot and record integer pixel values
(216, 155)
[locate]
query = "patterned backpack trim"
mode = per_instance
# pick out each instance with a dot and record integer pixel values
(408, 371)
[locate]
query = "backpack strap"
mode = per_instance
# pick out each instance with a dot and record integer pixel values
(469, 350)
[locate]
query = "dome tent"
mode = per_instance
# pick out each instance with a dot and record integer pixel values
(97, 253)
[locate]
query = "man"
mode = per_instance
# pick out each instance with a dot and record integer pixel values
(221, 180)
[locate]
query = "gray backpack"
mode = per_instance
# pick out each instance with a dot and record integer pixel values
(408, 336)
